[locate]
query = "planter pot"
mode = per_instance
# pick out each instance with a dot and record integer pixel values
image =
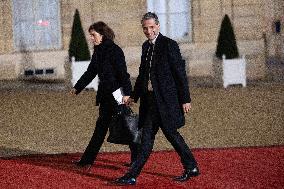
(78, 68)
(234, 71)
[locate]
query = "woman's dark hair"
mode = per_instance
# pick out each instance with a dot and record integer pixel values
(103, 29)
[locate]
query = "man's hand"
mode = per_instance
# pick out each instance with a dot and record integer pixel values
(73, 91)
(125, 99)
(186, 107)
(129, 101)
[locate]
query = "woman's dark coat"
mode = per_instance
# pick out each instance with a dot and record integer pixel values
(169, 82)
(108, 62)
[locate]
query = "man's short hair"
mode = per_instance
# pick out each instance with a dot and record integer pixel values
(150, 15)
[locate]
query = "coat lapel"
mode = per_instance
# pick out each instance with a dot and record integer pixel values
(160, 49)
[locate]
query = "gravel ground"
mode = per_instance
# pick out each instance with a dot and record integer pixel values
(51, 121)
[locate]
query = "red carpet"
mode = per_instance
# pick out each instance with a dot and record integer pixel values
(261, 167)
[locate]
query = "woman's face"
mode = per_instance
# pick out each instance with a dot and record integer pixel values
(96, 38)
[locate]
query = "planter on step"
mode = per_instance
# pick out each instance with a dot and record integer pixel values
(234, 71)
(78, 68)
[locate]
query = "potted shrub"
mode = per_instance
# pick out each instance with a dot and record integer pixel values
(79, 53)
(78, 46)
(232, 68)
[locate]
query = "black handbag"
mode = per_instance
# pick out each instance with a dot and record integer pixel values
(123, 128)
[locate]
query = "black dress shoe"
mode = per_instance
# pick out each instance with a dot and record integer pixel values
(187, 174)
(125, 180)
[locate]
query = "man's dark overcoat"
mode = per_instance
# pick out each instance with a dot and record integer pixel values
(169, 81)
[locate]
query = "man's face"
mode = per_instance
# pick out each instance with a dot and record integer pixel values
(150, 28)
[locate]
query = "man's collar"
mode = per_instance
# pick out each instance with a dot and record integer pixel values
(154, 40)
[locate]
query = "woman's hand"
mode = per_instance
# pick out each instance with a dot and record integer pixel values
(186, 107)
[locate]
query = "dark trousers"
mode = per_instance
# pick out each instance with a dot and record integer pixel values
(150, 128)
(106, 110)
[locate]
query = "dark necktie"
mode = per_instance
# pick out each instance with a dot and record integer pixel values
(149, 61)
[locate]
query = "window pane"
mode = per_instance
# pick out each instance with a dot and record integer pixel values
(160, 6)
(163, 23)
(25, 37)
(157, 6)
(20, 10)
(178, 6)
(178, 18)
(38, 28)
(150, 5)
(47, 8)
(178, 25)
(47, 25)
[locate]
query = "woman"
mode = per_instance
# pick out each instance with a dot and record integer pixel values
(108, 62)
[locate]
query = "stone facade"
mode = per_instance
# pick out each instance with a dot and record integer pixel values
(253, 22)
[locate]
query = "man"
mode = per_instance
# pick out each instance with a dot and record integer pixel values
(163, 90)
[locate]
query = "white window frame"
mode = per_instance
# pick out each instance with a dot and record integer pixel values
(166, 10)
(34, 29)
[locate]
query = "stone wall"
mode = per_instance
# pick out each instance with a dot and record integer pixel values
(6, 30)
(274, 11)
(123, 17)
(252, 21)
(13, 65)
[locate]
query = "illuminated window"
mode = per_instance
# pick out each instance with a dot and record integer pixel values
(36, 24)
(174, 16)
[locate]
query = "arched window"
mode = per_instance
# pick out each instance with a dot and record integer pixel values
(36, 24)
(174, 16)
